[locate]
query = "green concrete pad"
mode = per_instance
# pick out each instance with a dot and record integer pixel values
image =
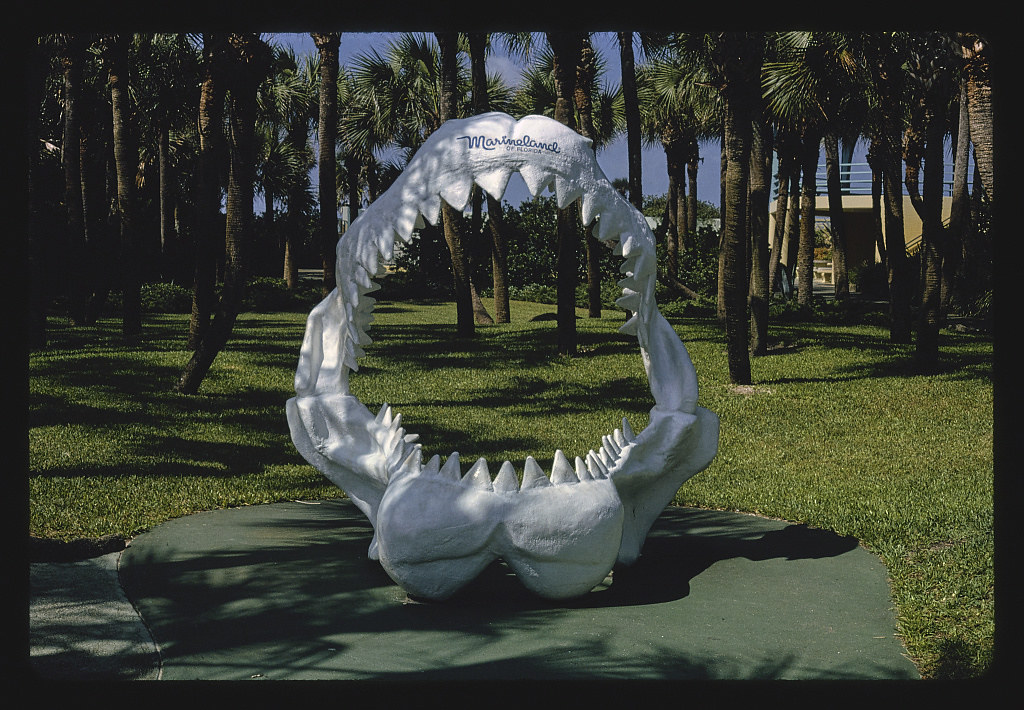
(286, 591)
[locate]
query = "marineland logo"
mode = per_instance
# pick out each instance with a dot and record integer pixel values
(522, 145)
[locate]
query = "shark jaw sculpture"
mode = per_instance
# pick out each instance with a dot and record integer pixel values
(435, 527)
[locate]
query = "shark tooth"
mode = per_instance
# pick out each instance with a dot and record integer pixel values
(386, 246)
(456, 193)
(609, 226)
(494, 182)
(361, 276)
(506, 481)
(566, 192)
(451, 470)
(411, 464)
(630, 326)
(533, 475)
(588, 209)
(629, 301)
(535, 178)
(430, 208)
(407, 219)
(384, 415)
(620, 439)
(561, 470)
(581, 470)
(609, 444)
(433, 466)
(478, 476)
(597, 466)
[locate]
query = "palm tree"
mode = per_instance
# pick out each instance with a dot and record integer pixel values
(976, 53)
(328, 45)
(811, 85)
(72, 58)
(930, 70)
(565, 51)
(406, 95)
(680, 109)
(757, 217)
(453, 223)
(302, 112)
(250, 62)
(126, 157)
(598, 131)
(883, 54)
(284, 158)
(207, 243)
(631, 103)
(167, 66)
(478, 44)
(738, 57)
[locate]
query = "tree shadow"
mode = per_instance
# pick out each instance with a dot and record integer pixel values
(292, 585)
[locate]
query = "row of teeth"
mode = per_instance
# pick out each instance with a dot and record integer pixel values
(368, 252)
(404, 456)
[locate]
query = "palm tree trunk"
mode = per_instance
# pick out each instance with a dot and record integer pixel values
(499, 252)
(960, 209)
(723, 209)
(632, 110)
(741, 69)
(979, 103)
(168, 238)
(566, 47)
(327, 45)
(72, 59)
(692, 165)
(499, 261)
(836, 218)
(876, 200)
(791, 239)
(805, 244)
(932, 247)
(291, 263)
(453, 231)
(898, 266)
(760, 171)
(252, 62)
(38, 296)
(125, 159)
(805, 248)
(208, 239)
(672, 226)
(585, 68)
(782, 215)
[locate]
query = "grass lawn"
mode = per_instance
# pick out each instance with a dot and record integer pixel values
(835, 433)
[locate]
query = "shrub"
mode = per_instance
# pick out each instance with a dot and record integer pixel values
(165, 298)
(267, 294)
(871, 280)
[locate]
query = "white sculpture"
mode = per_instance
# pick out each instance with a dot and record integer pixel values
(436, 528)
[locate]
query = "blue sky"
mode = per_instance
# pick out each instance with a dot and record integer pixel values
(612, 158)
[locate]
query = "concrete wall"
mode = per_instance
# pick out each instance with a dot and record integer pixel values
(859, 222)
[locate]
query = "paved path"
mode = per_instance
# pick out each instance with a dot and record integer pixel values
(285, 591)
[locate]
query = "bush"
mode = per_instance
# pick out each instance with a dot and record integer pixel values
(688, 308)
(165, 298)
(267, 294)
(871, 280)
(535, 293)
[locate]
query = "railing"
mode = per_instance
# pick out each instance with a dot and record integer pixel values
(855, 179)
